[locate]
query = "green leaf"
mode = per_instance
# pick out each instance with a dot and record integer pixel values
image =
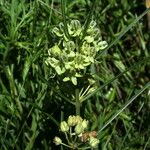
(26, 68)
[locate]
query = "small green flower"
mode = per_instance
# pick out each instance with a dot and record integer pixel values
(58, 32)
(79, 129)
(74, 28)
(74, 80)
(78, 119)
(66, 79)
(74, 120)
(85, 124)
(102, 45)
(81, 126)
(93, 142)
(57, 140)
(71, 121)
(89, 39)
(55, 50)
(64, 126)
(58, 70)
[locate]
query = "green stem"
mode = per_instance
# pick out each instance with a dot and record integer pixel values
(66, 145)
(67, 138)
(84, 148)
(78, 104)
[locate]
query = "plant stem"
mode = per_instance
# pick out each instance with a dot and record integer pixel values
(78, 105)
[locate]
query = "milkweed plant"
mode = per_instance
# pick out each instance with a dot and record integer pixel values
(71, 54)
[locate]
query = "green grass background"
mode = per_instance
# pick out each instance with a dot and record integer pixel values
(33, 100)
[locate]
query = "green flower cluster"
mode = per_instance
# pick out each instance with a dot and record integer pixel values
(73, 53)
(75, 130)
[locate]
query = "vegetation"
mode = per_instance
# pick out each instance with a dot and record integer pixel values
(63, 59)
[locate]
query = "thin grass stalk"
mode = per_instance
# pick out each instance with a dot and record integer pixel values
(115, 78)
(125, 106)
(124, 32)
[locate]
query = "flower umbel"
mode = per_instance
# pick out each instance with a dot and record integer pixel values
(75, 130)
(69, 57)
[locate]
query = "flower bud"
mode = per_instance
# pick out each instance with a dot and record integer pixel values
(64, 126)
(89, 39)
(57, 140)
(55, 50)
(58, 32)
(85, 124)
(71, 121)
(78, 119)
(102, 45)
(93, 142)
(79, 129)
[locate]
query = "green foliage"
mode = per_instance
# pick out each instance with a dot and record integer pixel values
(110, 85)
